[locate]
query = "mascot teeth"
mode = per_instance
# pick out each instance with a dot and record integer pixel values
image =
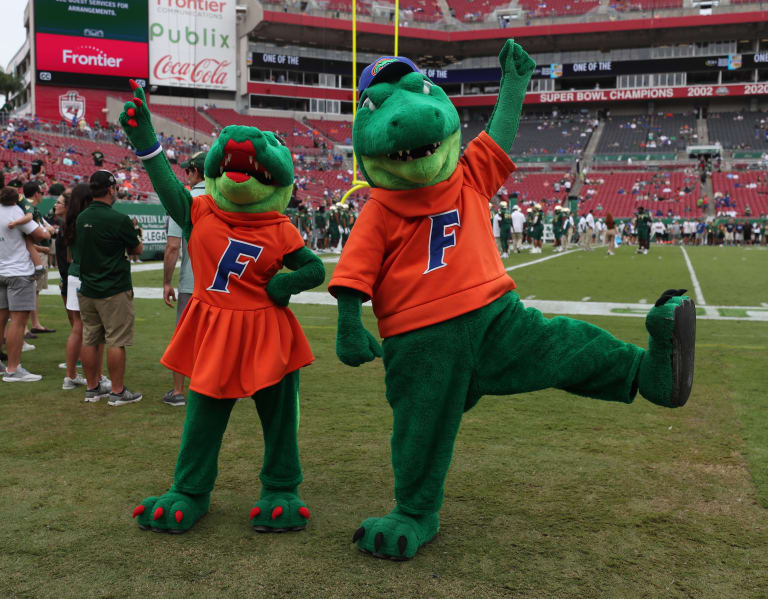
(421, 152)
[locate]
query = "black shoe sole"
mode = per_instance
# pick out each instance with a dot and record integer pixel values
(266, 529)
(683, 352)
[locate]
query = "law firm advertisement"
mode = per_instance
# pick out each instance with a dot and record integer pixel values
(192, 43)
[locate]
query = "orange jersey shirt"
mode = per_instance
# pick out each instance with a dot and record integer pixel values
(232, 339)
(427, 255)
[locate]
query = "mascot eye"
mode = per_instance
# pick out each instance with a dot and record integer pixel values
(280, 140)
(367, 103)
(427, 87)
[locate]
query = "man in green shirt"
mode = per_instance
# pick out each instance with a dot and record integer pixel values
(643, 226)
(106, 291)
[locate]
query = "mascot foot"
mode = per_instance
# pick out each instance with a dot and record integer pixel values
(279, 511)
(173, 512)
(666, 372)
(396, 536)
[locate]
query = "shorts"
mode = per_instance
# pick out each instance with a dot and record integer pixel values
(17, 294)
(181, 304)
(108, 320)
(73, 286)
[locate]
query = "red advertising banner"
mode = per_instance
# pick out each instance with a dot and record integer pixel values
(625, 95)
(93, 56)
(54, 104)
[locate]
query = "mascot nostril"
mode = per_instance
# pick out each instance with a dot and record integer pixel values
(423, 252)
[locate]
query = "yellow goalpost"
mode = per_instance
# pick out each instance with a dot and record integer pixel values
(357, 182)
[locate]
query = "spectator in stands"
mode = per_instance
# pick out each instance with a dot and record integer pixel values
(103, 236)
(176, 243)
(136, 258)
(17, 284)
(98, 158)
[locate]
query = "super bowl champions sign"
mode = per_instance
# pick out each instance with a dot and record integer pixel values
(192, 43)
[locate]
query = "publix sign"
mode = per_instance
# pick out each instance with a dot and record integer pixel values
(192, 43)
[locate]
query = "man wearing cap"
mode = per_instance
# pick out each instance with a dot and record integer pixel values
(196, 180)
(106, 292)
(518, 224)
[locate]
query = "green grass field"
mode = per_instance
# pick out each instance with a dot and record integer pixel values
(549, 495)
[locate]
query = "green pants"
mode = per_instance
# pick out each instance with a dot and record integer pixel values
(435, 374)
(206, 421)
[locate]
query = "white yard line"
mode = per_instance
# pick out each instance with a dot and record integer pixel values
(158, 265)
(323, 298)
(558, 255)
(696, 287)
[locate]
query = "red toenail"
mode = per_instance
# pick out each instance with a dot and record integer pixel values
(277, 512)
(254, 512)
(304, 512)
(179, 516)
(138, 510)
(158, 513)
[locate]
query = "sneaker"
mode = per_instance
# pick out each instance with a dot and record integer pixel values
(78, 381)
(172, 399)
(124, 397)
(63, 365)
(27, 347)
(21, 376)
(94, 395)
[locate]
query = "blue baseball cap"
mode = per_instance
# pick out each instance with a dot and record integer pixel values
(393, 65)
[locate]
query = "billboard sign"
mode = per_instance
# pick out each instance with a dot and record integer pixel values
(192, 43)
(98, 44)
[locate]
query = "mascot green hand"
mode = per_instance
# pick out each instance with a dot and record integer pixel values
(236, 338)
(454, 330)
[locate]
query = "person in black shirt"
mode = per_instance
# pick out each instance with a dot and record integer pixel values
(98, 158)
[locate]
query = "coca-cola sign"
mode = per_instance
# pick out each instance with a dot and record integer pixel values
(205, 72)
(192, 48)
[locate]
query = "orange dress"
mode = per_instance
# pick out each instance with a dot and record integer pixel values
(232, 339)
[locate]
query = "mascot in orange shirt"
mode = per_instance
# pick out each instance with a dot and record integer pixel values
(236, 337)
(454, 330)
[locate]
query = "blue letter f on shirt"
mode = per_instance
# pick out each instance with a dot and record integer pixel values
(439, 238)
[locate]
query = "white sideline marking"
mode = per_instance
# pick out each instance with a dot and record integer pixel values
(155, 265)
(323, 298)
(585, 299)
(558, 255)
(696, 287)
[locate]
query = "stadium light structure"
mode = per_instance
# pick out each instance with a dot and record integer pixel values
(357, 182)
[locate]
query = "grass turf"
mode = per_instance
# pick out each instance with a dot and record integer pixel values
(549, 495)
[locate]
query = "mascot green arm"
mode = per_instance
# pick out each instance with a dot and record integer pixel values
(354, 344)
(309, 272)
(516, 70)
(137, 124)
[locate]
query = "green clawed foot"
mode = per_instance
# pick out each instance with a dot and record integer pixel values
(279, 511)
(173, 512)
(396, 536)
(666, 372)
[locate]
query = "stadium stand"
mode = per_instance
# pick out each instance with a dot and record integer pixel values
(184, 115)
(740, 191)
(560, 136)
(647, 134)
(663, 193)
(338, 131)
(558, 8)
(739, 130)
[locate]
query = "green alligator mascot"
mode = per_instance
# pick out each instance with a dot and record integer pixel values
(454, 330)
(236, 338)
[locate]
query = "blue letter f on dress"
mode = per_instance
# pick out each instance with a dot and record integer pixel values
(439, 239)
(230, 263)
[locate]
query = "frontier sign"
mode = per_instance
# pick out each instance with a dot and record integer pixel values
(192, 43)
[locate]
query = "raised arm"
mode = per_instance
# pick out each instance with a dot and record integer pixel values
(137, 124)
(516, 70)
